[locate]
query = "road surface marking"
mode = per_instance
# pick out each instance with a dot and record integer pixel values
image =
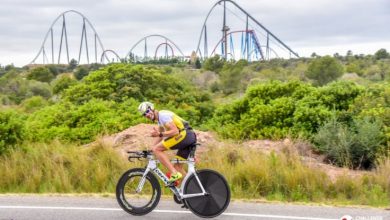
(162, 211)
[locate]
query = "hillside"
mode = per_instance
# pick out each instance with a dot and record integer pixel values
(137, 138)
(279, 129)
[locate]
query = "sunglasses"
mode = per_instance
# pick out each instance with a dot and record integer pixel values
(146, 112)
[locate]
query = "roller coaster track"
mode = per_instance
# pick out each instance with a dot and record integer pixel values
(64, 37)
(203, 53)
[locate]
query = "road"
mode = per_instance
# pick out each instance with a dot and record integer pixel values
(36, 207)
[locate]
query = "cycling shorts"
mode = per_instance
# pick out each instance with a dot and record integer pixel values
(181, 142)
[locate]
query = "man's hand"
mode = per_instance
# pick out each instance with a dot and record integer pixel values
(155, 132)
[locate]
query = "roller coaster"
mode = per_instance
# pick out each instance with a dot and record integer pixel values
(251, 45)
(62, 27)
(157, 41)
(243, 37)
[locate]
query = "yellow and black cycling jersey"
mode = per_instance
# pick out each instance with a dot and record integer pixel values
(165, 117)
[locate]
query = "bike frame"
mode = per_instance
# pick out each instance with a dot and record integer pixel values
(153, 167)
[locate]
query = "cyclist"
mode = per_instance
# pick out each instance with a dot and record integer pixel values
(173, 133)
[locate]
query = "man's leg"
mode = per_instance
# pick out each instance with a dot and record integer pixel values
(179, 167)
(158, 150)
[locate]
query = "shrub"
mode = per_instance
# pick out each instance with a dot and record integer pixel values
(214, 63)
(61, 83)
(11, 129)
(33, 104)
(355, 146)
(42, 74)
(231, 76)
(266, 111)
(68, 122)
(374, 102)
(36, 88)
(369, 138)
(335, 140)
(119, 82)
(324, 70)
(81, 72)
(276, 109)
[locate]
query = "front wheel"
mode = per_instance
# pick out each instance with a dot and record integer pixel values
(143, 201)
(218, 198)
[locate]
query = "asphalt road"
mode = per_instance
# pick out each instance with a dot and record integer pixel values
(33, 207)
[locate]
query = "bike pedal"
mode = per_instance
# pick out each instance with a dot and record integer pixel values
(184, 207)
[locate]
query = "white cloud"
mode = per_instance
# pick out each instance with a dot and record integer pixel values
(322, 26)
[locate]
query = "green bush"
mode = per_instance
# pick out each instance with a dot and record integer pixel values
(68, 122)
(354, 146)
(335, 140)
(374, 103)
(214, 63)
(324, 70)
(34, 103)
(276, 109)
(119, 82)
(231, 76)
(369, 140)
(11, 129)
(81, 72)
(17, 88)
(36, 88)
(42, 74)
(61, 83)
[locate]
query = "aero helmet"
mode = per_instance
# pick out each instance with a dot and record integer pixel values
(144, 106)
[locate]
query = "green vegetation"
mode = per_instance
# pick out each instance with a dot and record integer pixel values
(62, 168)
(356, 146)
(340, 104)
(276, 109)
(81, 123)
(324, 70)
(284, 177)
(11, 129)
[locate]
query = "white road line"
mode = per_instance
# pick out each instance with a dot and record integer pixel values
(162, 211)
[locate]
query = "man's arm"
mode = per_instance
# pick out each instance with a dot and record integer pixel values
(156, 133)
(172, 130)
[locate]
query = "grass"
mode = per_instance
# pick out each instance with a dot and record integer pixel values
(283, 177)
(65, 168)
(59, 168)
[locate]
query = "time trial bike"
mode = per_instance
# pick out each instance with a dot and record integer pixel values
(205, 192)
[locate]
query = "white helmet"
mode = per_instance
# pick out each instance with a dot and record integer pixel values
(144, 106)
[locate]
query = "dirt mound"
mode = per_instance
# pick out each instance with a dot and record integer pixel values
(138, 138)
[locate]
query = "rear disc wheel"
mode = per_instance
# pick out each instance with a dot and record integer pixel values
(218, 198)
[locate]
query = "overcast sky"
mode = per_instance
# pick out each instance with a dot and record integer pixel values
(306, 26)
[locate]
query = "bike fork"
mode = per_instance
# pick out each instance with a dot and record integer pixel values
(142, 182)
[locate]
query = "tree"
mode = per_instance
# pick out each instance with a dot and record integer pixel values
(382, 54)
(384, 69)
(42, 74)
(81, 72)
(231, 76)
(197, 64)
(62, 83)
(2, 71)
(324, 70)
(214, 63)
(72, 64)
(11, 129)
